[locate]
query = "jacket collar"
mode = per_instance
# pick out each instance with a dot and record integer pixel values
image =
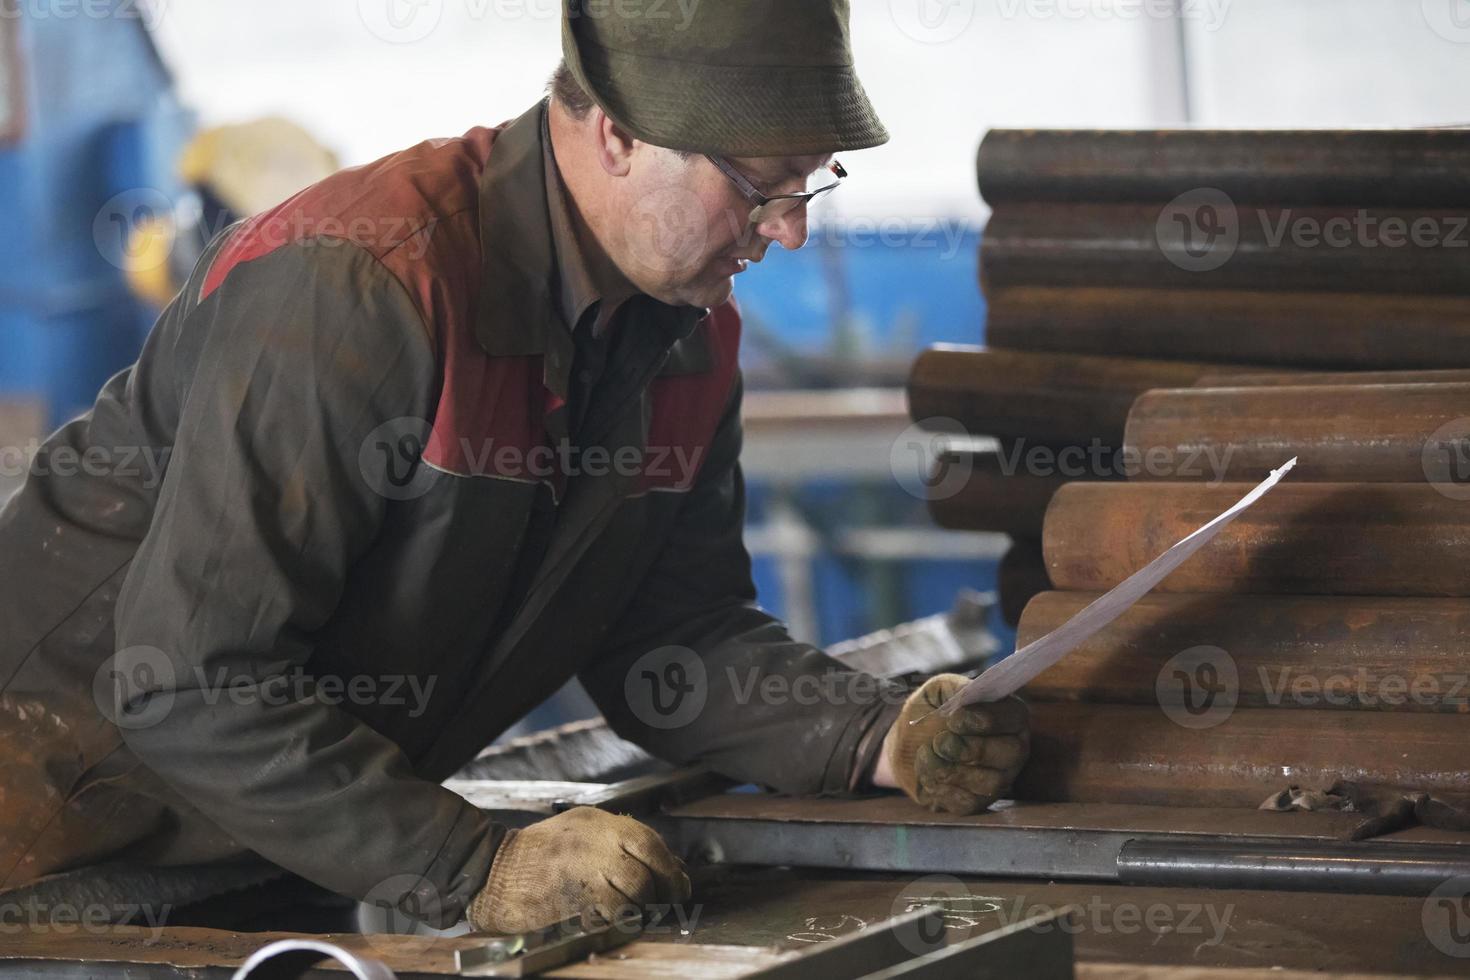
(524, 253)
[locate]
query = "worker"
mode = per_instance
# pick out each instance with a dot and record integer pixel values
(415, 447)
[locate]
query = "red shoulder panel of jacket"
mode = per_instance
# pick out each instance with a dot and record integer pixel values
(416, 211)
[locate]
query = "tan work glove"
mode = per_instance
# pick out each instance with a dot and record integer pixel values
(961, 763)
(583, 860)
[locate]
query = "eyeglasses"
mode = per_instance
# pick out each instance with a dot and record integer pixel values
(765, 207)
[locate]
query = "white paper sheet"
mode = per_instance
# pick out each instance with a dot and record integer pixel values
(1014, 671)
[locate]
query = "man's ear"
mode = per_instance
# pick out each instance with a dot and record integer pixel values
(614, 145)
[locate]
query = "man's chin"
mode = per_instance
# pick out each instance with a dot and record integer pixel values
(711, 293)
(716, 293)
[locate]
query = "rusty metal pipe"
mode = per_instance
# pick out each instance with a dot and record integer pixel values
(1300, 539)
(1298, 378)
(1378, 868)
(1404, 433)
(1414, 167)
(1258, 248)
(999, 492)
(1343, 652)
(1021, 575)
(1057, 399)
(1093, 753)
(1332, 330)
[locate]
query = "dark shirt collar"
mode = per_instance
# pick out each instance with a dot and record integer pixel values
(532, 271)
(579, 277)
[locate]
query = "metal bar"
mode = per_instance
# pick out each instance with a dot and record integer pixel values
(1059, 841)
(649, 794)
(1363, 868)
(918, 848)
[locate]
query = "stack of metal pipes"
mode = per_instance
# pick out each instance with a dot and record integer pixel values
(1171, 315)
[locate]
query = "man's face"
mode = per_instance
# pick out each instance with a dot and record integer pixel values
(686, 229)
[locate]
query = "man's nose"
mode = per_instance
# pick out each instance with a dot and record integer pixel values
(789, 229)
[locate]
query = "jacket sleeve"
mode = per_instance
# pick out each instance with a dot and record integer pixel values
(752, 703)
(296, 358)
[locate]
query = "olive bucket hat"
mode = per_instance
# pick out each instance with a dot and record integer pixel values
(744, 78)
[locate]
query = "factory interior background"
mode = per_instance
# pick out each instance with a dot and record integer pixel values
(100, 100)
